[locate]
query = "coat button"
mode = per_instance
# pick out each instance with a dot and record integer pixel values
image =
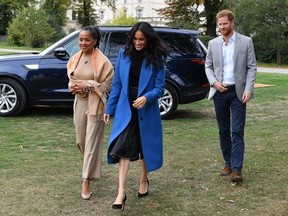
(141, 118)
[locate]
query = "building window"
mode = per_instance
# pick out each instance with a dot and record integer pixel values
(101, 15)
(74, 14)
(139, 12)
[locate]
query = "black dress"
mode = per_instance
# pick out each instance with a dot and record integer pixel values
(128, 143)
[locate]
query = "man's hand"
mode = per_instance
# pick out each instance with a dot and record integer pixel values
(220, 86)
(246, 96)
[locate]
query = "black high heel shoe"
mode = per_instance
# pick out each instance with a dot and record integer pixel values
(120, 206)
(141, 195)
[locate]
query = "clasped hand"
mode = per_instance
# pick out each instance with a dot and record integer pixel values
(77, 88)
(220, 86)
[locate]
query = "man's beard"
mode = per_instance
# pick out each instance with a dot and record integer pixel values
(226, 32)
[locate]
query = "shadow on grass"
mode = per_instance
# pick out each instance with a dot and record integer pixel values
(47, 111)
(192, 114)
(68, 111)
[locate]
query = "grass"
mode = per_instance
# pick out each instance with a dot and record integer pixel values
(4, 46)
(261, 64)
(40, 168)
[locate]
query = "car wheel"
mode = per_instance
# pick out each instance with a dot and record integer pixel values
(169, 102)
(12, 97)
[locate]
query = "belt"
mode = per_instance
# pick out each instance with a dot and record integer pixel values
(231, 87)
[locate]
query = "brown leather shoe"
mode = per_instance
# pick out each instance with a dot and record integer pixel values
(236, 176)
(226, 171)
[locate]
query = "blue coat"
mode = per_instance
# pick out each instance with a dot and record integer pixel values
(151, 85)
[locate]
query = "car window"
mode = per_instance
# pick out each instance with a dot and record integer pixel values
(117, 41)
(72, 46)
(179, 44)
(104, 36)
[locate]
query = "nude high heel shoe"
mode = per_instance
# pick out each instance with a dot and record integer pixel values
(86, 196)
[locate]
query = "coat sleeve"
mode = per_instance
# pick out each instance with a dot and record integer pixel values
(251, 67)
(209, 68)
(69, 71)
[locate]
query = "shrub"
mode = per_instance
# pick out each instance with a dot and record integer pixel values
(30, 28)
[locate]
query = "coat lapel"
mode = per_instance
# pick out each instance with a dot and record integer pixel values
(237, 45)
(220, 52)
(124, 71)
(145, 76)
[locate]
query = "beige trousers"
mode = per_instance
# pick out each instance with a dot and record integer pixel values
(89, 139)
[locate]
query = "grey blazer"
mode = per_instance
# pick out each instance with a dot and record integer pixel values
(244, 64)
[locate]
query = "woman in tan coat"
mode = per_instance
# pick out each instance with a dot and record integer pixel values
(90, 74)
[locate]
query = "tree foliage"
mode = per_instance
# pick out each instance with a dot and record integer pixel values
(110, 3)
(86, 14)
(56, 12)
(193, 14)
(212, 7)
(267, 22)
(182, 13)
(30, 28)
(9, 10)
(121, 20)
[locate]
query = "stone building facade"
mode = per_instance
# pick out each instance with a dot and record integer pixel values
(142, 10)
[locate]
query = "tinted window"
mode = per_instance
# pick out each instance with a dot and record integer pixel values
(72, 46)
(179, 44)
(117, 41)
(104, 36)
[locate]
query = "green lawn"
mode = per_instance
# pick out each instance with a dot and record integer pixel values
(3, 46)
(40, 167)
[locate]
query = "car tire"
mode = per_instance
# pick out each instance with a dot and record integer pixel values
(13, 97)
(169, 102)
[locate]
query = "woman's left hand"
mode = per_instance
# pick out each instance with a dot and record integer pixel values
(79, 88)
(139, 102)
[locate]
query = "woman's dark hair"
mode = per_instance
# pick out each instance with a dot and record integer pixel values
(155, 52)
(95, 32)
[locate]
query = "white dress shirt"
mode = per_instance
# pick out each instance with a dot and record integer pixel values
(228, 62)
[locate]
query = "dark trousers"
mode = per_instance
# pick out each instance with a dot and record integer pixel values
(230, 111)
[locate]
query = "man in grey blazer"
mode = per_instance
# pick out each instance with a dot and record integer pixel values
(231, 70)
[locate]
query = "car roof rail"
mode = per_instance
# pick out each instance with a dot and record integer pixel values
(127, 26)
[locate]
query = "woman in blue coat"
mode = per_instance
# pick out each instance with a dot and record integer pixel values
(138, 82)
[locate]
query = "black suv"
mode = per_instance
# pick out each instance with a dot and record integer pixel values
(40, 79)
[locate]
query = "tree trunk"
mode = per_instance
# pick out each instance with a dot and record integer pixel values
(211, 9)
(211, 26)
(279, 56)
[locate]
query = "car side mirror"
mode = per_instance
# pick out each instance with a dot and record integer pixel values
(61, 52)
